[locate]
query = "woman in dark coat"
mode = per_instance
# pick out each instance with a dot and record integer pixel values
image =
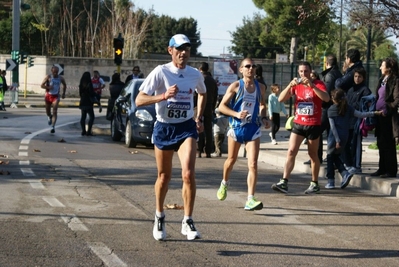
(87, 95)
(387, 125)
(115, 88)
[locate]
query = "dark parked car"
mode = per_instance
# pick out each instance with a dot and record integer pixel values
(132, 122)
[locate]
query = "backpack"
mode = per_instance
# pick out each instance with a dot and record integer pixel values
(367, 104)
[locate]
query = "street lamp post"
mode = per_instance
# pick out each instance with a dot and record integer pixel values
(340, 36)
(368, 56)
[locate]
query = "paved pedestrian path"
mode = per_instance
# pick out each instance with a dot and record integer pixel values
(276, 154)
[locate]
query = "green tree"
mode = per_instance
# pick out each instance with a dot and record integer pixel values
(380, 44)
(164, 27)
(287, 19)
(29, 35)
(246, 39)
(6, 37)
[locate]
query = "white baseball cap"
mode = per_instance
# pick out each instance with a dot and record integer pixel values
(179, 40)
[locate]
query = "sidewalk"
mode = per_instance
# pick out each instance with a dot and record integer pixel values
(276, 155)
(37, 101)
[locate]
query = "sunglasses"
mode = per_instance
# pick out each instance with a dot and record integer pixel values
(183, 48)
(136, 70)
(248, 66)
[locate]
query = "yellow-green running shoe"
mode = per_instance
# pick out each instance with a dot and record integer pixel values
(253, 204)
(222, 192)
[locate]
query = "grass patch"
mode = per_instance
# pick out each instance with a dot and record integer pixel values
(374, 146)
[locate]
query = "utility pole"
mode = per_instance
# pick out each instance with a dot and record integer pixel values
(15, 47)
(340, 37)
(368, 56)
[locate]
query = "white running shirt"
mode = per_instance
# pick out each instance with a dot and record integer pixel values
(181, 107)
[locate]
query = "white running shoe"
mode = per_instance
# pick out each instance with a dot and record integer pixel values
(188, 229)
(274, 142)
(159, 231)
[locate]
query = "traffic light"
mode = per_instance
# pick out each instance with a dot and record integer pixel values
(15, 56)
(30, 61)
(23, 58)
(118, 49)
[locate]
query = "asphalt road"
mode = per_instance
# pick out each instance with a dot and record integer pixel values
(68, 200)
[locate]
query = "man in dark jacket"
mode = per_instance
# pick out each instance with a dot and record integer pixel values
(205, 138)
(135, 75)
(351, 63)
(329, 77)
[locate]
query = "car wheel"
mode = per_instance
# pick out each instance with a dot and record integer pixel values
(129, 140)
(115, 134)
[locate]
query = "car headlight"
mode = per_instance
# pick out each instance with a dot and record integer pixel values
(143, 115)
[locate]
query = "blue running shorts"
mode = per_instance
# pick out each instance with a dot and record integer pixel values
(170, 136)
(245, 133)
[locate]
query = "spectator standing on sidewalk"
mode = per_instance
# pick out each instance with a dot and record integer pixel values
(259, 75)
(115, 88)
(275, 107)
(387, 131)
(308, 104)
(244, 102)
(205, 142)
(3, 89)
(86, 93)
(98, 85)
(171, 88)
(352, 62)
(219, 132)
(328, 76)
(339, 115)
(352, 152)
(52, 84)
(135, 75)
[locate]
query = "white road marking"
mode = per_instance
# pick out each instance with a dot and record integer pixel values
(26, 139)
(36, 185)
(74, 223)
(23, 147)
(24, 162)
(106, 255)
(27, 172)
(53, 202)
(23, 154)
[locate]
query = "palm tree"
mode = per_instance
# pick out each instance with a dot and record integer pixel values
(359, 41)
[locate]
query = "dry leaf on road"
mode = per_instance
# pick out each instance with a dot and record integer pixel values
(46, 180)
(36, 150)
(173, 207)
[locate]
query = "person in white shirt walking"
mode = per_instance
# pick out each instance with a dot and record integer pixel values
(275, 108)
